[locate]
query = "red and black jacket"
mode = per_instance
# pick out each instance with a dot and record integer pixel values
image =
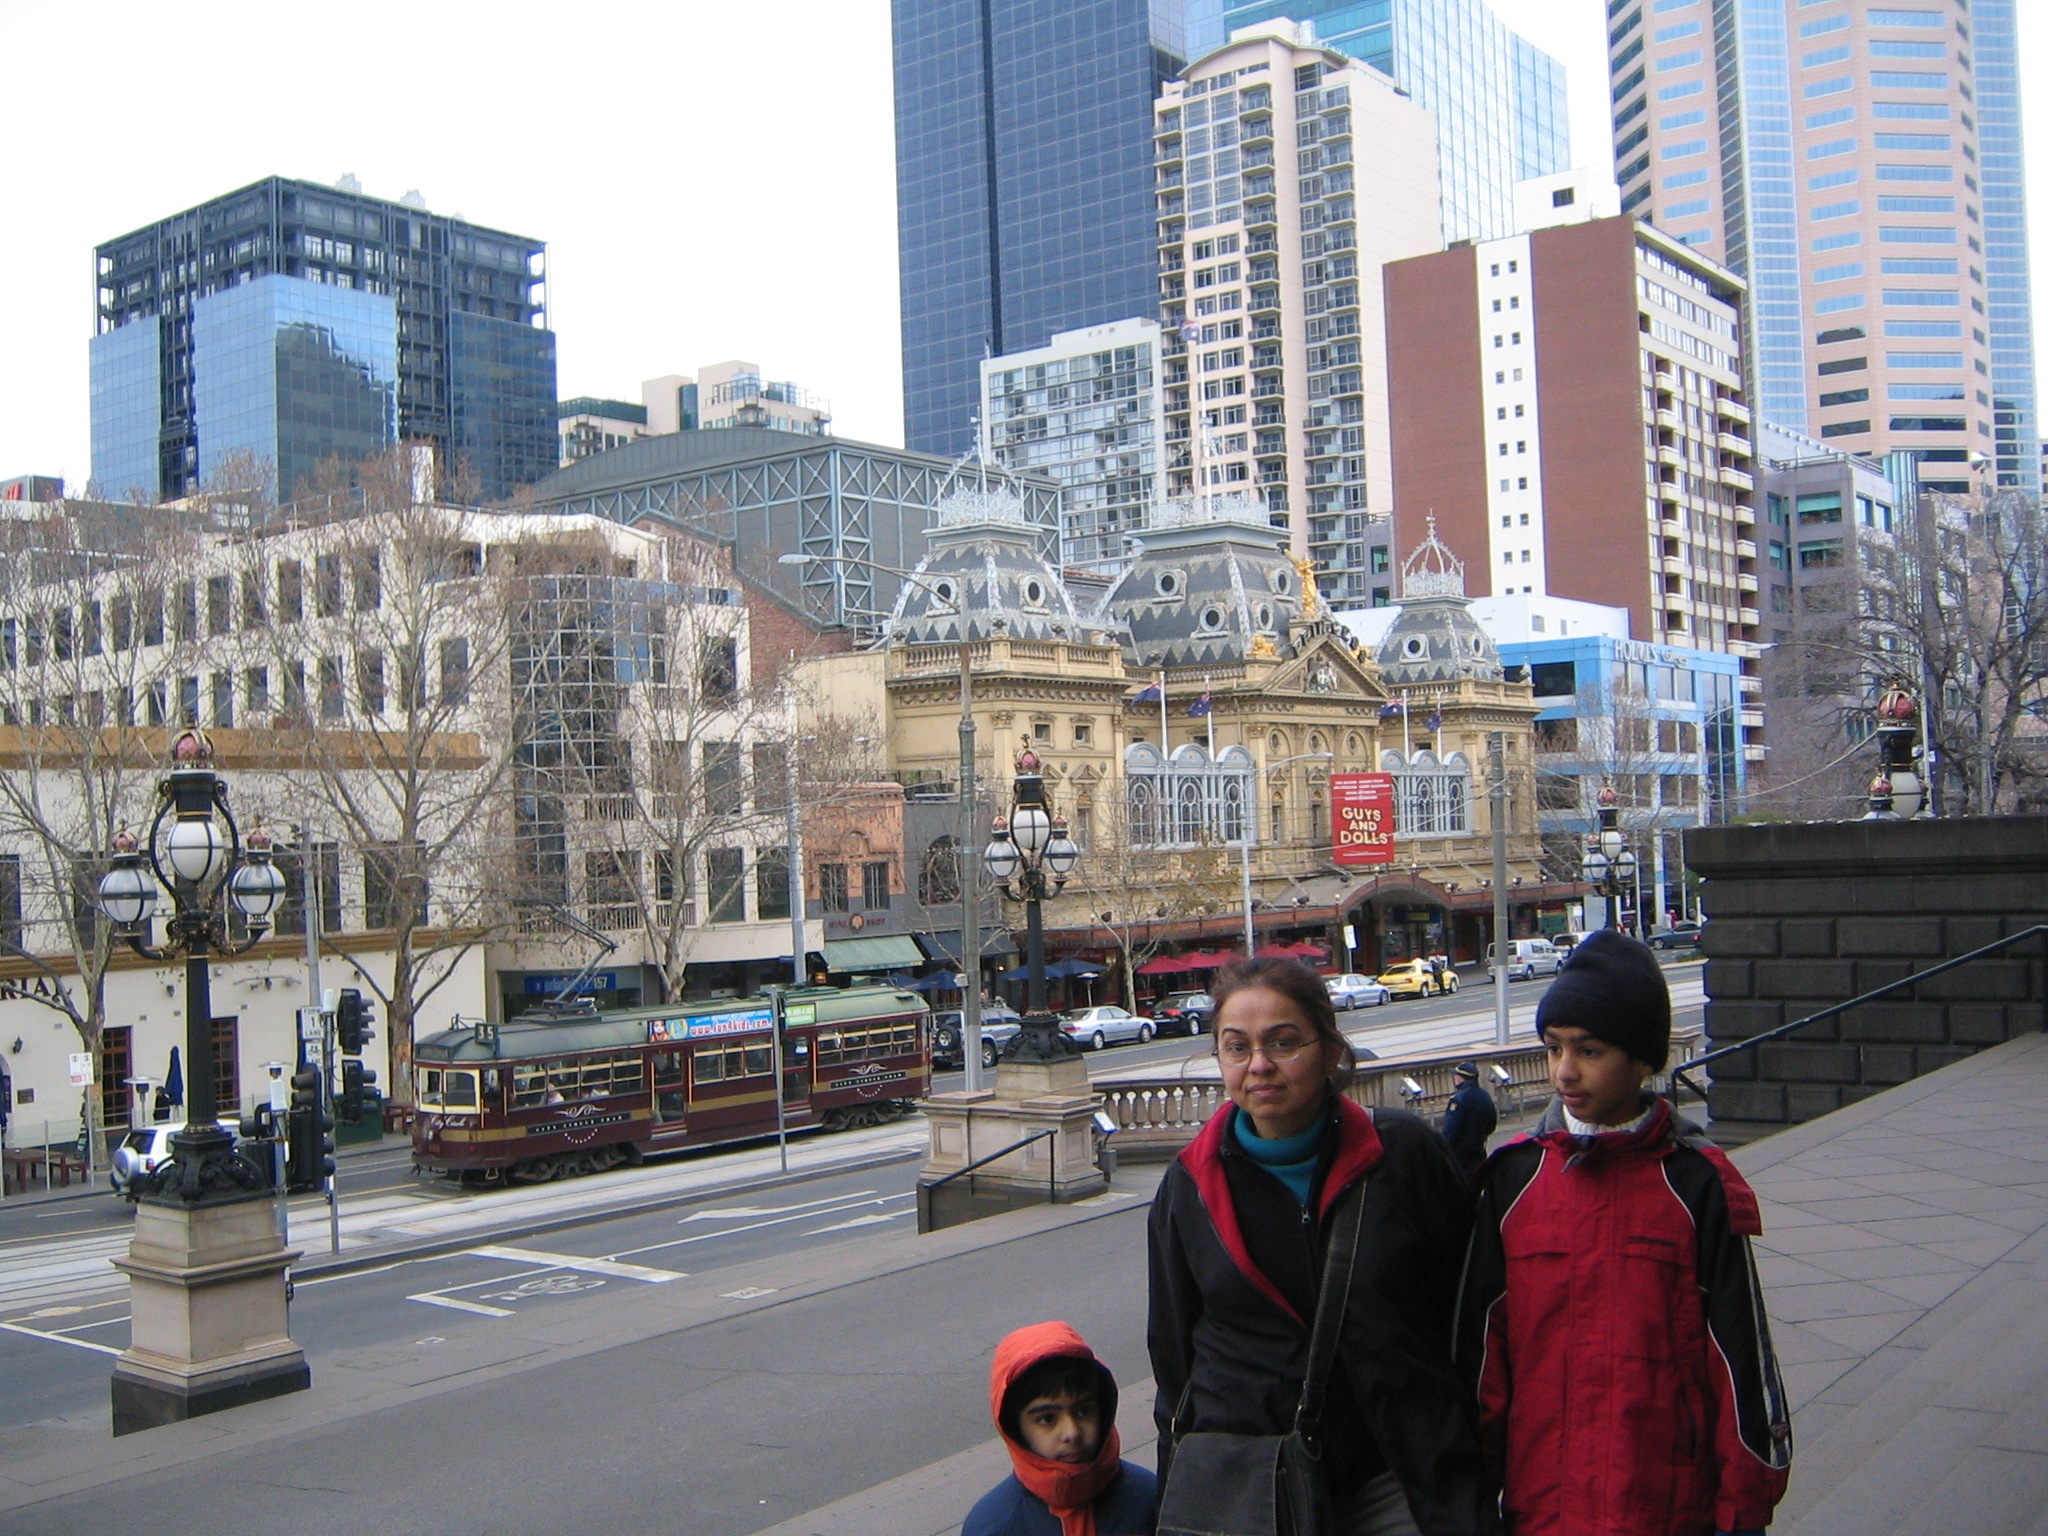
(1612, 1323)
(1235, 1265)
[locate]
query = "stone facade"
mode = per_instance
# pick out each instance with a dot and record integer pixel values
(1808, 916)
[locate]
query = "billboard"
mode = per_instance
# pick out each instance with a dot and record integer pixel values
(1362, 818)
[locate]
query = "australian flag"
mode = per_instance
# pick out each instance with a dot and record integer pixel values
(1391, 709)
(1149, 694)
(1201, 706)
(1435, 722)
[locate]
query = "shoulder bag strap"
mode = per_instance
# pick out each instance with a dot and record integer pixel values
(1338, 1263)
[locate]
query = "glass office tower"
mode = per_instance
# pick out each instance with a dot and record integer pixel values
(381, 312)
(1499, 101)
(1024, 184)
(2006, 280)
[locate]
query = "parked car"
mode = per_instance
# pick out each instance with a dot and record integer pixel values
(1096, 1027)
(1183, 1013)
(145, 1149)
(1564, 943)
(1418, 978)
(1000, 1024)
(1530, 958)
(1352, 991)
(1682, 935)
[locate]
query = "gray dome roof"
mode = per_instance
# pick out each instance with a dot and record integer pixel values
(1210, 579)
(1436, 639)
(984, 572)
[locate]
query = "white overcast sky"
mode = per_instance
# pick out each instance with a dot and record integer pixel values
(713, 180)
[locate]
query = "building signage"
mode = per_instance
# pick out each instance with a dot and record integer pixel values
(81, 1069)
(1362, 818)
(796, 1015)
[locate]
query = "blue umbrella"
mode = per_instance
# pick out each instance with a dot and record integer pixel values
(174, 1081)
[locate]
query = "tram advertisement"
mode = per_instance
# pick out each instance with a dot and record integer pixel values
(1362, 818)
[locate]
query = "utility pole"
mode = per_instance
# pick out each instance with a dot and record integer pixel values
(1496, 744)
(970, 877)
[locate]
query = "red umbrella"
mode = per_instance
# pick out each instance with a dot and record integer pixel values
(1205, 960)
(1164, 965)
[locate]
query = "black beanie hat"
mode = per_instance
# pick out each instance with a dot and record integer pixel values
(1611, 986)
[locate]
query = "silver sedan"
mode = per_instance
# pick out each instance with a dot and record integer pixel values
(1097, 1027)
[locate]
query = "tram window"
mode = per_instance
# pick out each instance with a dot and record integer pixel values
(458, 1090)
(725, 1064)
(668, 1068)
(529, 1086)
(430, 1086)
(626, 1076)
(759, 1061)
(597, 1077)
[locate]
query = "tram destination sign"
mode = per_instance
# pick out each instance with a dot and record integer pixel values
(1362, 818)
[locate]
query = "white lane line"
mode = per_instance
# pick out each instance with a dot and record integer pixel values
(776, 1221)
(434, 1299)
(58, 1338)
(610, 1267)
(741, 1212)
(858, 1221)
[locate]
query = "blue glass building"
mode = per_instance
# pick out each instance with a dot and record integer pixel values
(296, 321)
(2015, 428)
(1023, 181)
(1499, 101)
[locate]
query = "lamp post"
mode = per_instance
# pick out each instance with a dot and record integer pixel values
(969, 870)
(1029, 858)
(1896, 794)
(1610, 862)
(206, 1268)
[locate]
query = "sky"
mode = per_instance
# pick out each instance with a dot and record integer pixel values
(713, 180)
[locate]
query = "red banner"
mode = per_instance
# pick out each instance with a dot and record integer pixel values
(1362, 818)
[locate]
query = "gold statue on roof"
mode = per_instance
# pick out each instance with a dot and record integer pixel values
(1263, 648)
(1311, 594)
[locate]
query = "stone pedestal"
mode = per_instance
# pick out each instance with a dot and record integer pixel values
(206, 1286)
(1029, 1098)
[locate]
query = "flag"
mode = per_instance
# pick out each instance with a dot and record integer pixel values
(1392, 708)
(1435, 722)
(1149, 694)
(1201, 706)
(1190, 331)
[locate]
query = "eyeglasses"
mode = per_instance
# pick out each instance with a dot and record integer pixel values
(1236, 1050)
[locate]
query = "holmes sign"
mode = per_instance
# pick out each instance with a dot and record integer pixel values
(1362, 818)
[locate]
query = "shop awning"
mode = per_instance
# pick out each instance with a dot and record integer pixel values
(884, 952)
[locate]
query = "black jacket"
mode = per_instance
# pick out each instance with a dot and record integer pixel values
(1468, 1121)
(1234, 1269)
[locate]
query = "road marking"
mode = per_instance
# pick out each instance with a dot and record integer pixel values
(741, 1212)
(748, 1293)
(861, 1221)
(435, 1299)
(610, 1267)
(58, 1338)
(773, 1221)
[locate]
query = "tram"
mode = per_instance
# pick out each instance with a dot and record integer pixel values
(548, 1096)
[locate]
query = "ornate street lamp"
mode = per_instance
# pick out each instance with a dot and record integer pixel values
(1896, 794)
(1610, 863)
(1031, 848)
(201, 857)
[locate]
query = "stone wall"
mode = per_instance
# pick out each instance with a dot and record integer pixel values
(1802, 917)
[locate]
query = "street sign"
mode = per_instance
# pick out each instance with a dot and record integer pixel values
(1362, 818)
(81, 1069)
(311, 1027)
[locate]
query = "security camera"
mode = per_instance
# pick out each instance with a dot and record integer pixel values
(1410, 1089)
(1503, 1076)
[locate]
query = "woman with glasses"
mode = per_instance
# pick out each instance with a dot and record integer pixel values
(1237, 1240)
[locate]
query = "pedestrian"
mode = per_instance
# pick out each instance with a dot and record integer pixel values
(1469, 1119)
(1055, 1407)
(1289, 1177)
(1611, 1319)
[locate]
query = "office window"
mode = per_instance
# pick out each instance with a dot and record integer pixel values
(874, 886)
(725, 884)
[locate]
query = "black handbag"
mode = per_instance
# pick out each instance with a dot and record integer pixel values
(1268, 1485)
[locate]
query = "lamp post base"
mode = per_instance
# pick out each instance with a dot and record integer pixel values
(1039, 1106)
(208, 1328)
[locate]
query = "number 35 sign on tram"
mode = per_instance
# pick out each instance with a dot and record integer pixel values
(1362, 818)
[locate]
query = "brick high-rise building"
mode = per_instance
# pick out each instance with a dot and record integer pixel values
(1860, 165)
(1568, 404)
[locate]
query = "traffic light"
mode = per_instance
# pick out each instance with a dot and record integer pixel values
(356, 1082)
(352, 1021)
(309, 1137)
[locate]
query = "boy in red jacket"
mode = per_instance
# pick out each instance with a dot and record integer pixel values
(1610, 1316)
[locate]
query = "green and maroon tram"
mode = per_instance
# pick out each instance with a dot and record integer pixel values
(547, 1096)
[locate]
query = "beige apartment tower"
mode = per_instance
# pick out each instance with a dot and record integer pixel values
(1288, 177)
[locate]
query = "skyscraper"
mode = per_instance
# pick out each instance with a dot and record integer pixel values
(295, 321)
(1860, 165)
(1499, 101)
(1289, 175)
(1023, 181)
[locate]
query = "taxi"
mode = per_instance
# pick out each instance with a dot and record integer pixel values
(1414, 978)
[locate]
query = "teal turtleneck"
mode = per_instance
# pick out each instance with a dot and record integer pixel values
(1290, 1159)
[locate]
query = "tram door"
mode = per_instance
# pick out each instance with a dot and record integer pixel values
(796, 1070)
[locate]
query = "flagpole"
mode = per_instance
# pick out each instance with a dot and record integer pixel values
(1210, 715)
(1165, 743)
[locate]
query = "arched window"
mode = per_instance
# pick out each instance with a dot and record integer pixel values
(1190, 799)
(1144, 805)
(1233, 810)
(1279, 818)
(938, 876)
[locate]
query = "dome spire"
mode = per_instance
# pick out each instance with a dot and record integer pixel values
(1432, 570)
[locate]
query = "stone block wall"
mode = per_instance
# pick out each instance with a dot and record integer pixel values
(1802, 917)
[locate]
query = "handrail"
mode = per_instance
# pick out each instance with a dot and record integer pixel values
(2039, 930)
(1015, 1146)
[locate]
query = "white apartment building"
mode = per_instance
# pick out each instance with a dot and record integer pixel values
(728, 394)
(1271, 247)
(509, 741)
(1086, 411)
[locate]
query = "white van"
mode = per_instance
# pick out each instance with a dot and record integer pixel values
(1530, 958)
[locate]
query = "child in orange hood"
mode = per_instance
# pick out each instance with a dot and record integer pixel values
(1055, 1407)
